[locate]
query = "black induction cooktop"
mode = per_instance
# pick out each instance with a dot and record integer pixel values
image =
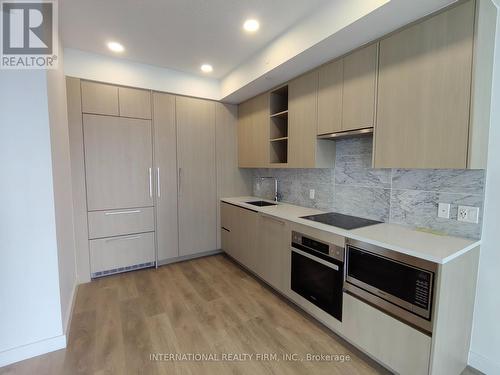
(342, 221)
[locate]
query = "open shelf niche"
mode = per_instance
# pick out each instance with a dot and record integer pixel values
(278, 125)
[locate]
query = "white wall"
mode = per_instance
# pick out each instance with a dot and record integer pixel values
(30, 310)
(95, 67)
(61, 168)
(485, 345)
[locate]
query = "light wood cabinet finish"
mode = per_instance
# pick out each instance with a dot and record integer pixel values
(302, 120)
(229, 229)
(119, 222)
(304, 150)
(99, 98)
(244, 238)
(253, 132)
(273, 243)
(196, 175)
(392, 342)
(77, 156)
(165, 173)
(118, 159)
(134, 102)
(123, 251)
(359, 91)
(231, 181)
(330, 97)
(453, 314)
(424, 93)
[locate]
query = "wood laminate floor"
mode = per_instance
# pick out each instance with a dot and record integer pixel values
(208, 305)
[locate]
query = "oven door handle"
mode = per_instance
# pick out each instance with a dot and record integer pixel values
(316, 259)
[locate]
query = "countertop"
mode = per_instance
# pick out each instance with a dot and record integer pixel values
(431, 247)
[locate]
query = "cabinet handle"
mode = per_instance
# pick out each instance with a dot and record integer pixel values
(158, 182)
(150, 184)
(227, 230)
(123, 238)
(123, 212)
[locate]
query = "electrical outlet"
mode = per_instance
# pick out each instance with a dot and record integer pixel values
(468, 214)
(312, 192)
(444, 210)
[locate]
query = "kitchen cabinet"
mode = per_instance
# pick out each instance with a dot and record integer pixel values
(304, 149)
(231, 180)
(99, 98)
(273, 238)
(165, 173)
(359, 88)
(134, 102)
(253, 132)
(197, 185)
(424, 93)
(330, 97)
(397, 345)
(118, 162)
(121, 253)
(119, 222)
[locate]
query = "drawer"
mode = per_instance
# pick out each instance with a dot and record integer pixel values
(117, 222)
(117, 253)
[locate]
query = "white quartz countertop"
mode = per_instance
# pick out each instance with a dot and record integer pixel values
(428, 246)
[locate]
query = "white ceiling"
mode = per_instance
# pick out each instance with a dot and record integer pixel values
(180, 34)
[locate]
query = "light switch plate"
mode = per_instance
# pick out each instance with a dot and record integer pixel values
(444, 210)
(312, 192)
(468, 214)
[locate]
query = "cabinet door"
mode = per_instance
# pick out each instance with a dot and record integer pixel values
(228, 231)
(165, 172)
(196, 175)
(424, 93)
(330, 97)
(302, 120)
(99, 98)
(118, 162)
(134, 102)
(244, 233)
(253, 132)
(272, 247)
(358, 102)
(231, 181)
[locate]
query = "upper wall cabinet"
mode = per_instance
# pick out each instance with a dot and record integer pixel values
(104, 99)
(134, 103)
(347, 91)
(330, 97)
(424, 93)
(99, 98)
(253, 132)
(360, 81)
(305, 150)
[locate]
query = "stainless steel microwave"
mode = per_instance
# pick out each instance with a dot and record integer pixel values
(397, 283)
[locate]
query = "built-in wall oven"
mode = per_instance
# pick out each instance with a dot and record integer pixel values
(317, 272)
(399, 284)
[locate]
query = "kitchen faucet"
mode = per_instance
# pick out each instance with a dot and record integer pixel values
(275, 185)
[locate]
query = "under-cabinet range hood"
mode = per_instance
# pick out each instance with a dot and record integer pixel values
(345, 134)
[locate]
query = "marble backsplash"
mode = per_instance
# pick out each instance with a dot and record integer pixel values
(403, 196)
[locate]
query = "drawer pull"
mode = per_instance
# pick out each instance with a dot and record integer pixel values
(123, 212)
(123, 238)
(227, 230)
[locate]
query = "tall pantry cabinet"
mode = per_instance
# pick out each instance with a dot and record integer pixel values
(146, 169)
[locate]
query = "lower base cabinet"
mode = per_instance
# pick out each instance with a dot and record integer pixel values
(113, 254)
(399, 346)
(257, 241)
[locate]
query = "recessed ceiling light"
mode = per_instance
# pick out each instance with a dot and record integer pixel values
(251, 25)
(116, 47)
(206, 68)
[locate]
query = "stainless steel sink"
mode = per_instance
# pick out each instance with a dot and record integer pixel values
(261, 203)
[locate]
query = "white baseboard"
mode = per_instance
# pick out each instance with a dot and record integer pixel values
(483, 364)
(71, 306)
(32, 350)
